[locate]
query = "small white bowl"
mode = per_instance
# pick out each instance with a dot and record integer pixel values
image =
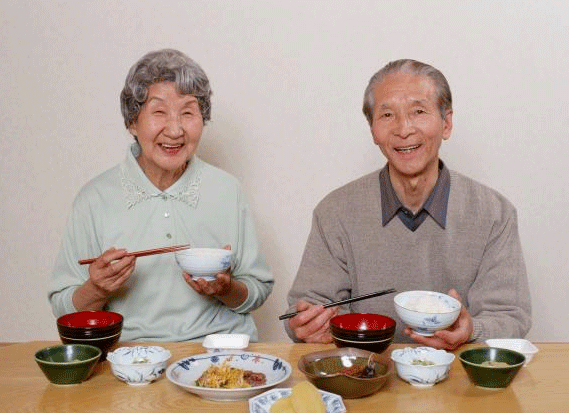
(516, 344)
(225, 342)
(138, 365)
(425, 323)
(420, 375)
(204, 263)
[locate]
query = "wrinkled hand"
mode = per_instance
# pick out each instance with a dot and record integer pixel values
(451, 338)
(111, 270)
(220, 286)
(312, 325)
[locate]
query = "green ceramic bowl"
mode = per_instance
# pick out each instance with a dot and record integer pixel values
(328, 370)
(68, 364)
(482, 375)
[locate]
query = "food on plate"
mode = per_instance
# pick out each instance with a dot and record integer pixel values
(283, 405)
(419, 362)
(427, 304)
(226, 377)
(490, 363)
(304, 398)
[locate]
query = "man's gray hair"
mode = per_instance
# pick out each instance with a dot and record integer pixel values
(444, 97)
(159, 66)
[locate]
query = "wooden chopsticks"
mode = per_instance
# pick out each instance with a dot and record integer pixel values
(154, 251)
(346, 301)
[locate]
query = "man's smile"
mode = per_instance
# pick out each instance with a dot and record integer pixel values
(407, 149)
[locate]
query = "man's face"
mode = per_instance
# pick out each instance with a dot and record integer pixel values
(407, 125)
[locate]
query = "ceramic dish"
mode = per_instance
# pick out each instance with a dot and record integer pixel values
(263, 402)
(225, 342)
(138, 365)
(68, 364)
(185, 372)
(420, 375)
(330, 370)
(517, 344)
(444, 311)
(493, 377)
(204, 263)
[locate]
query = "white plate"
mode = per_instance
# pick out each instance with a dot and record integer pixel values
(185, 372)
(517, 344)
(221, 342)
(263, 402)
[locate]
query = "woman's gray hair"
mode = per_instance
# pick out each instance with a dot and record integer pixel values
(444, 97)
(159, 66)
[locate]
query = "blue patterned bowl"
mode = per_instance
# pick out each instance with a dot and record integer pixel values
(204, 263)
(426, 311)
(414, 365)
(138, 365)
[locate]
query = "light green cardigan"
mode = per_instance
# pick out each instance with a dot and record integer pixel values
(122, 208)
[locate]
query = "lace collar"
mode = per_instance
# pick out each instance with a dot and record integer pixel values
(186, 189)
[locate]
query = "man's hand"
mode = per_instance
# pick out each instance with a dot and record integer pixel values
(312, 325)
(451, 338)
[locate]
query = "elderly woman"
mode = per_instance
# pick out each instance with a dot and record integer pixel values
(162, 194)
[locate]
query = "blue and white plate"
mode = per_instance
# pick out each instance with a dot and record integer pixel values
(263, 402)
(185, 372)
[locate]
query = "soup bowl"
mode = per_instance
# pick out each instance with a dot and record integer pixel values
(491, 367)
(68, 364)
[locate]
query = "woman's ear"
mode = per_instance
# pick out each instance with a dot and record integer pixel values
(132, 129)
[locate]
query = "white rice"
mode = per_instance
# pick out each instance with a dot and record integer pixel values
(427, 304)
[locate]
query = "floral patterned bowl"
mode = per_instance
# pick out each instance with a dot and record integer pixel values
(426, 311)
(422, 366)
(138, 365)
(204, 262)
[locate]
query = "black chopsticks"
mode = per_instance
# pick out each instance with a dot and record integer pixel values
(346, 301)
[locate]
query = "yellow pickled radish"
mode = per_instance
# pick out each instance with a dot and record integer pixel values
(305, 398)
(283, 405)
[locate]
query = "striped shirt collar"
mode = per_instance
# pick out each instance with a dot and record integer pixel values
(435, 205)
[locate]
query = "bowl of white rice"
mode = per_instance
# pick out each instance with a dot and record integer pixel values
(426, 311)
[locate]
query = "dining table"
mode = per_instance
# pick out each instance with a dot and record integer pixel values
(541, 386)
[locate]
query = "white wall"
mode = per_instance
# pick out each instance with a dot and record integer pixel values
(288, 79)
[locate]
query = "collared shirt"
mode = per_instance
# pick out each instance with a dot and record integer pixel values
(435, 205)
(205, 207)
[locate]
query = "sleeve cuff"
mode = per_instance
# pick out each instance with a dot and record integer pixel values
(477, 329)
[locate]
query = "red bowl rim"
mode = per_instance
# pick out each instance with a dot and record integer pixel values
(90, 319)
(352, 322)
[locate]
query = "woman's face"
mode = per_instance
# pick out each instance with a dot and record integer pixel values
(168, 129)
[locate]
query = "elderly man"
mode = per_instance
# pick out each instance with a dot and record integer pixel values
(413, 225)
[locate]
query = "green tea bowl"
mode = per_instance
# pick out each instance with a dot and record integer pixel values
(491, 367)
(68, 363)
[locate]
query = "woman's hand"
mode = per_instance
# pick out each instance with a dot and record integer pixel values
(220, 286)
(451, 338)
(106, 275)
(312, 325)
